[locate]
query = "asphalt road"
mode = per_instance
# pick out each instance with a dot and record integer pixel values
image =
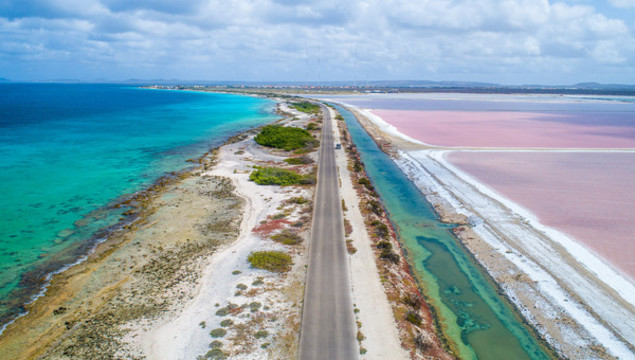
(328, 326)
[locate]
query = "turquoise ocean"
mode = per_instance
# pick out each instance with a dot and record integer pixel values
(69, 151)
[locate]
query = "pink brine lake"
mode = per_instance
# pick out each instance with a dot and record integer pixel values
(513, 129)
(589, 196)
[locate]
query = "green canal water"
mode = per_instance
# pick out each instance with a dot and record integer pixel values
(481, 323)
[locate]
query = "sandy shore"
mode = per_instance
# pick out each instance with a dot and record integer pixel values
(579, 304)
(169, 272)
(159, 288)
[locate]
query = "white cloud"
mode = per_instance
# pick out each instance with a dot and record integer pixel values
(270, 39)
(624, 4)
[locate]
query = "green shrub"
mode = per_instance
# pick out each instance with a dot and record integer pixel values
(227, 323)
(367, 184)
(287, 138)
(216, 354)
(257, 282)
(216, 344)
(360, 336)
(274, 261)
(384, 245)
(262, 334)
(312, 126)
(254, 306)
(275, 176)
(241, 287)
(413, 318)
(217, 333)
(358, 166)
(375, 207)
(297, 200)
(411, 300)
(287, 237)
(302, 160)
(306, 107)
(381, 230)
(388, 255)
(222, 312)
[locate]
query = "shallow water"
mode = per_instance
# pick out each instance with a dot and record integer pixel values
(67, 151)
(470, 310)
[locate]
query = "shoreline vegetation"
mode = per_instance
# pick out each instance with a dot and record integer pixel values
(415, 318)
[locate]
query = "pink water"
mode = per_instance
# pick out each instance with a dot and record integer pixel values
(590, 196)
(512, 129)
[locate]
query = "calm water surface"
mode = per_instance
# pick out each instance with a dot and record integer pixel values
(473, 315)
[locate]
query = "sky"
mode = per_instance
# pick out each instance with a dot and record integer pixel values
(501, 41)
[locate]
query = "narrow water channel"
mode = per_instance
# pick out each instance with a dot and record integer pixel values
(481, 323)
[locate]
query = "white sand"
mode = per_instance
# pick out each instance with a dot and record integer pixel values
(180, 335)
(375, 313)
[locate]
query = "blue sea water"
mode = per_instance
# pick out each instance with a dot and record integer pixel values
(67, 151)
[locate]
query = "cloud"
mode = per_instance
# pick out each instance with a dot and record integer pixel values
(624, 4)
(277, 39)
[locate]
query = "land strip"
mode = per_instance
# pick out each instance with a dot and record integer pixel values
(176, 283)
(328, 330)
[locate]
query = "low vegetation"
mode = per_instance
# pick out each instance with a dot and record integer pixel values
(302, 160)
(312, 126)
(414, 318)
(279, 176)
(381, 230)
(306, 107)
(367, 184)
(217, 333)
(261, 334)
(286, 138)
(287, 237)
(274, 261)
(300, 200)
(375, 207)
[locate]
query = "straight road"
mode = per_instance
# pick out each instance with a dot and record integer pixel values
(328, 326)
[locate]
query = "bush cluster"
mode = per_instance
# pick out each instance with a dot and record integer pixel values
(358, 166)
(312, 126)
(279, 176)
(287, 138)
(381, 230)
(306, 107)
(287, 237)
(219, 332)
(274, 261)
(414, 318)
(389, 255)
(302, 160)
(375, 207)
